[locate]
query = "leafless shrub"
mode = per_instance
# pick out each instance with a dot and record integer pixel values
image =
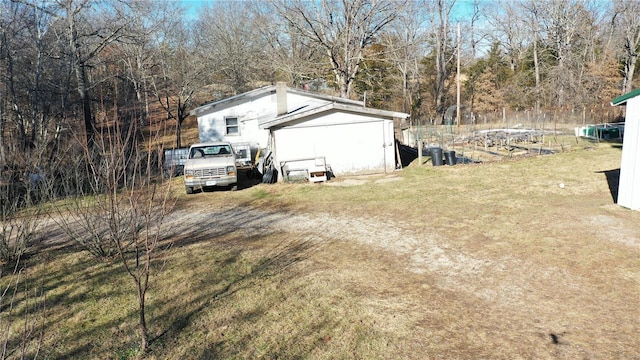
(114, 206)
(22, 316)
(100, 193)
(19, 215)
(17, 234)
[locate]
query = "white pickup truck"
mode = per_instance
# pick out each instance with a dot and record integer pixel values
(209, 165)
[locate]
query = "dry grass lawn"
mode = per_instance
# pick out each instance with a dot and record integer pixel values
(490, 261)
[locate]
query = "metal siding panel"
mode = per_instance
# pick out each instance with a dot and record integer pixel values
(348, 148)
(212, 127)
(390, 153)
(628, 188)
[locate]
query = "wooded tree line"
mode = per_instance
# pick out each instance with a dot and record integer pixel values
(70, 67)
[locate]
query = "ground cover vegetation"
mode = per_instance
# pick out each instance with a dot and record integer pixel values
(493, 260)
(92, 245)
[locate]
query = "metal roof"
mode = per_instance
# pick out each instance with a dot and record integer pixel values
(623, 98)
(268, 90)
(305, 112)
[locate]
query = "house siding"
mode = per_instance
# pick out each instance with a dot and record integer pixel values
(212, 126)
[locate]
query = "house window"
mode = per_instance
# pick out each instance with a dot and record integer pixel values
(231, 124)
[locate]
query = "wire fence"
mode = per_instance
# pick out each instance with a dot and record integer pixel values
(490, 136)
(545, 120)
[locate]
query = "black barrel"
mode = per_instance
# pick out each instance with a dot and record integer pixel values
(450, 157)
(436, 156)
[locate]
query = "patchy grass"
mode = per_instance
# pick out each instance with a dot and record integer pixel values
(469, 261)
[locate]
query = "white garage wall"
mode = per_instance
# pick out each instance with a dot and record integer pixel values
(351, 144)
(629, 185)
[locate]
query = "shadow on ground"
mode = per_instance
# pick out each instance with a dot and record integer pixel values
(613, 180)
(247, 178)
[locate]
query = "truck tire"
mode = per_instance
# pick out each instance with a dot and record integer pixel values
(188, 189)
(266, 178)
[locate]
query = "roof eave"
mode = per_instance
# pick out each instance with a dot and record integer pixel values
(249, 94)
(624, 98)
(266, 89)
(281, 120)
(316, 95)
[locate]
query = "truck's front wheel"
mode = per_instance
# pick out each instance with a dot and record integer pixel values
(188, 189)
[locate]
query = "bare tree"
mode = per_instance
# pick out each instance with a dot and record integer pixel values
(234, 50)
(178, 72)
(136, 51)
(148, 198)
(476, 37)
(442, 50)
(342, 28)
(120, 215)
(625, 18)
(405, 40)
(288, 55)
(534, 13)
(90, 28)
(16, 46)
(562, 25)
(505, 23)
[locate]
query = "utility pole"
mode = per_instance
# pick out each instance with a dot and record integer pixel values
(458, 81)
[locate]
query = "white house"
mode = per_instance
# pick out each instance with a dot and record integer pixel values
(629, 184)
(302, 129)
(235, 119)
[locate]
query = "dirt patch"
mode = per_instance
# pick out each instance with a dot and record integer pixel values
(609, 228)
(361, 180)
(460, 301)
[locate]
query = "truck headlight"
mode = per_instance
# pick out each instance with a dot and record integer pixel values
(231, 170)
(188, 174)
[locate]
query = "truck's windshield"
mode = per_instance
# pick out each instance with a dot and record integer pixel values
(209, 151)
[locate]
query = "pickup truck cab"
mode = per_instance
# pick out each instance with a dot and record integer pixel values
(209, 165)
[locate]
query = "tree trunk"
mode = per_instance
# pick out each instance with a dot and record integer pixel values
(20, 122)
(37, 136)
(3, 155)
(179, 135)
(441, 56)
(405, 87)
(81, 77)
(536, 66)
(630, 69)
(631, 45)
(181, 116)
(86, 105)
(144, 332)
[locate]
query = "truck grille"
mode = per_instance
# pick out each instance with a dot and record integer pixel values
(204, 173)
